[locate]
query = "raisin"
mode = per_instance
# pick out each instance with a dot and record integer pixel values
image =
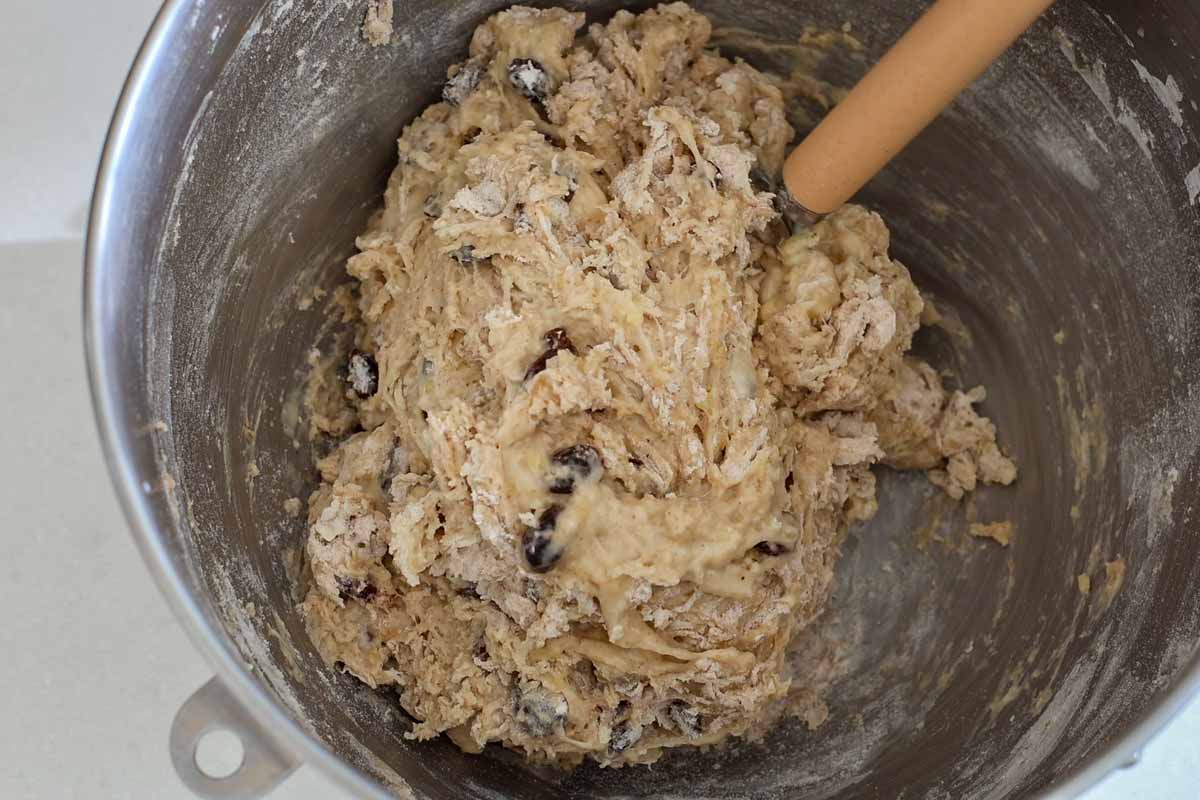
(462, 83)
(782, 201)
(539, 550)
(556, 339)
(576, 463)
(529, 78)
(465, 255)
(685, 719)
(772, 548)
(362, 373)
(355, 587)
(539, 712)
(624, 736)
(549, 518)
(538, 543)
(586, 676)
(759, 179)
(433, 205)
(522, 222)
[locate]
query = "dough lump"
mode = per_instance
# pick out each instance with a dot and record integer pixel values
(613, 425)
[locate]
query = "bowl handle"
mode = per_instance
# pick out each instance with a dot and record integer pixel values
(264, 763)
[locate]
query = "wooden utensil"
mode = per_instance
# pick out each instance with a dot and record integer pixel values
(949, 47)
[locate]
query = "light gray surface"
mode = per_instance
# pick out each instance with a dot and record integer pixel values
(95, 665)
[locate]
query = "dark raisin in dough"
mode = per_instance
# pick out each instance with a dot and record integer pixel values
(353, 587)
(759, 180)
(685, 718)
(556, 339)
(462, 83)
(571, 464)
(538, 711)
(362, 373)
(549, 518)
(624, 736)
(465, 255)
(433, 206)
(522, 222)
(538, 543)
(529, 78)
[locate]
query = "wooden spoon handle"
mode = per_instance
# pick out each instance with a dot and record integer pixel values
(949, 46)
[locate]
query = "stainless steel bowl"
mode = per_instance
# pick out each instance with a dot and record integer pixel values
(1053, 210)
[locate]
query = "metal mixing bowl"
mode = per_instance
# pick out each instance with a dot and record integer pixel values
(1052, 211)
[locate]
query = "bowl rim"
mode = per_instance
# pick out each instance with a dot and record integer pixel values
(101, 261)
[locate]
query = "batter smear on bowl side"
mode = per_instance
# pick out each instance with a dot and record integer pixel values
(614, 424)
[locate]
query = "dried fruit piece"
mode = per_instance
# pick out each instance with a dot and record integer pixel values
(549, 518)
(624, 736)
(462, 83)
(355, 587)
(522, 222)
(529, 78)
(362, 373)
(556, 339)
(538, 543)
(465, 255)
(538, 711)
(573, 465)
(433, 205)
(685, 718)
(759, 180)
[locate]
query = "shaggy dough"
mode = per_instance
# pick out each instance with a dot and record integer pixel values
(613, 426)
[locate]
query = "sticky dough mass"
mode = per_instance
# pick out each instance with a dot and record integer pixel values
(620, 423)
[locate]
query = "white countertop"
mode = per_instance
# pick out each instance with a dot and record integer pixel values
(95, 666)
